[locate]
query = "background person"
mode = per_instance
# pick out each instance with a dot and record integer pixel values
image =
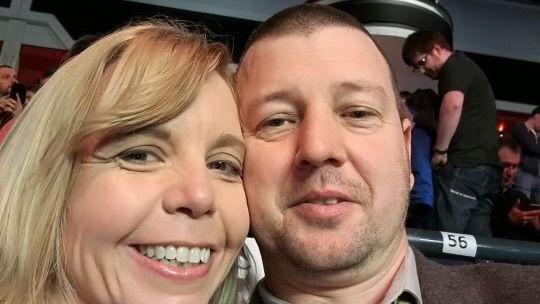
(129, 190)
(465, 151)
(422, 104)
(511, 219)
(527, 134)
(9, 107)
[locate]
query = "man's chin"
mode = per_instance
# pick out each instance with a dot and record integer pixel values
(327, 250)
(433, 76)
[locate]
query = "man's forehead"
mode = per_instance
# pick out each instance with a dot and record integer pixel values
(7, 70)
(345, 51)
(327, 40)
(506, 152)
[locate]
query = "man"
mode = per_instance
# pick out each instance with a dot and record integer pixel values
(7, 79)
(9, 107)
(327, 168)
(510, 217)
(465, 150)
(509, 157)
(527, 134)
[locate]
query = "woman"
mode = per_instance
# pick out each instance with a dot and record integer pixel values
(121, 181)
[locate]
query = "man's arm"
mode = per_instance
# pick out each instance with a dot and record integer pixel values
(449, 116)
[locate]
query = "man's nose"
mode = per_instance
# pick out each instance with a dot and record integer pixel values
(189, 192)
(319, 140)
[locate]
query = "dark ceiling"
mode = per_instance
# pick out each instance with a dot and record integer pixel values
(102, 16)
(512, 80)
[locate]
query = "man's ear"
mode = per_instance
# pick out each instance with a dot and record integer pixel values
(407, 126)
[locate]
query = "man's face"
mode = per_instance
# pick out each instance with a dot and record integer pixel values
(326, 171)
(7, 78)
(427, 64)
(536, 122)
(510, 161)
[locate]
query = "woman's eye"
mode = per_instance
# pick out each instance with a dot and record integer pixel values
(226, 167)
(139, 156)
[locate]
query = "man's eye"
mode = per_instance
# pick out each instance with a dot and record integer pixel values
(278, 121)
(225, 167)
(275, 122)
(357, 114)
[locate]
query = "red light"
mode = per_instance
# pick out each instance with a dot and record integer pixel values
(501, 127)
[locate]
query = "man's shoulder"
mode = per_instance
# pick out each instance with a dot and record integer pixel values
(256, 297)
(478, 283)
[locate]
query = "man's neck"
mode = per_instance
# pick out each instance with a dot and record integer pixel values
(364, 284)
(444, 55)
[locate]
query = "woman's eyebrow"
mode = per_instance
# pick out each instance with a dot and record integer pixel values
(151, 131)
(229, 140)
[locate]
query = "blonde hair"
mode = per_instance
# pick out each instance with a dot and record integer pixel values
(138, 76)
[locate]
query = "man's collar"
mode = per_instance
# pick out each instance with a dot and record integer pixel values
(405, 281)
(530, 128)
(266, 296)
(405, 287)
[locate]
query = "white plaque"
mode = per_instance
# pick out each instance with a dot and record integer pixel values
(459, 244)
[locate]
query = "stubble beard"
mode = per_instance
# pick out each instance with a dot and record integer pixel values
(353, 249)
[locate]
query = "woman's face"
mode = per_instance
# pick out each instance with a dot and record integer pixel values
(159, 216)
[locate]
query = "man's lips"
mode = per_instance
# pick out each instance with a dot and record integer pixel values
(328, 205)
(324, 197)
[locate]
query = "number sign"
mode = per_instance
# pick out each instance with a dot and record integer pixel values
(459, 244)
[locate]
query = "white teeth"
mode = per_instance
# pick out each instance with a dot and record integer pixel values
(195, 255)
(325, 201)
(179, 256)
(182, 254)
(205, 255)
(170, 253)
(160, 253)
(150, 251)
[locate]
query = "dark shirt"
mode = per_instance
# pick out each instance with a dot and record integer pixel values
(475, 141)
(530, 161)
(502, 227)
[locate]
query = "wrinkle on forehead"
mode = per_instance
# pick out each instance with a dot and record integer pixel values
(270, 50)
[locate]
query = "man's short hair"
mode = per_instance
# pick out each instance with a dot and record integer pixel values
(80, 45)
(6, 66)
(511, 144)
(422, 42)
(305, 19)
(535, 111)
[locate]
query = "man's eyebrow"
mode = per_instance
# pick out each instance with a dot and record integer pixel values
(360, 86)
(277, 95)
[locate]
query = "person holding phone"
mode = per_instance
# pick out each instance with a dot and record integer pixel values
(10, 104)
(514, 215)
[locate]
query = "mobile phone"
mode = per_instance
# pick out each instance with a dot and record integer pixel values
(20, 90)
(525, 204)
(529, 206)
